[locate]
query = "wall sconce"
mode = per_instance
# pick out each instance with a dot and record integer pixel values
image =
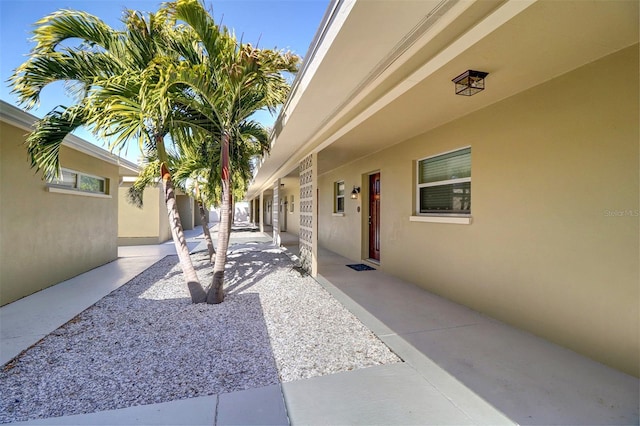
(470, 82)
(355, 192)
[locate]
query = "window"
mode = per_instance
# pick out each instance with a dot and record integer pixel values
(444, 183)
(77, 181)
(291, 204)
(339, 197)
(68, 179)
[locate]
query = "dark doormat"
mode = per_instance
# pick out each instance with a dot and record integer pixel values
(361, 267)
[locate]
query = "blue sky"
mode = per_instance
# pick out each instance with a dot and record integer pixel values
(282, 24)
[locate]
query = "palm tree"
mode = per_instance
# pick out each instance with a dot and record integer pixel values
(196, 169)
(173, 75)
(116, 75)
(227, 82)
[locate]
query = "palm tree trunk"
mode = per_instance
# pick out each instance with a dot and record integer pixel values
(205, 230)
(204, 221)
(198, 295)
(216, 291)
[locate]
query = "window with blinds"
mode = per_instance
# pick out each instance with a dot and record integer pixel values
(444, 183)
(338, 197)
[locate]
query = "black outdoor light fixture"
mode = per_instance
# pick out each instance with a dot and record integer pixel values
(355, 192)
(470, 82)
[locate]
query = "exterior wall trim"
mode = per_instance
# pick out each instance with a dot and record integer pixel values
(442, 219)
(74, 192)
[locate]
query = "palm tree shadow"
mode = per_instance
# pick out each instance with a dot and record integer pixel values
(248, 265)
(203, 269)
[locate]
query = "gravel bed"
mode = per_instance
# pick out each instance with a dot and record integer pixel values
(147, 343)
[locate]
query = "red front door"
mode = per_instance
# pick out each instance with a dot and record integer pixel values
(374, 216)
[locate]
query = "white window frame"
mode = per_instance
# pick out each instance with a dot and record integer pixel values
(75, 189)
(459, 218)
(337, 196)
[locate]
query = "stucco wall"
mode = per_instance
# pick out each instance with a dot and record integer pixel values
(291, 188)
(47, 237)
(267, 218)
(148, 225)
(186, 211)
(553, 245)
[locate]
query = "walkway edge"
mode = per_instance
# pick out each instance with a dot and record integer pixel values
(26, 321)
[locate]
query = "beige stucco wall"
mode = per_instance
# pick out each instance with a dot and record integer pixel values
(186, 211)
(148, 225)
(267, 218)
(47, 237)
(553, 246)
(292, 187)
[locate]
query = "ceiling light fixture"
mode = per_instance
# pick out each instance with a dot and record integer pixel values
(470, 82)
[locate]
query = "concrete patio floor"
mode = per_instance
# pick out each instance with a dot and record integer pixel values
(460, 367)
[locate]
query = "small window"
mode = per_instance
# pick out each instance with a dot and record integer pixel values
(291, 205)
(339, 197)
(91, 184)
(444, 183)
(78, 181)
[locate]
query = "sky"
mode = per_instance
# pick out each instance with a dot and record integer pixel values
(282, 24)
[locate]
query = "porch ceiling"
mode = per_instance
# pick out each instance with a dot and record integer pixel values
(385, 76)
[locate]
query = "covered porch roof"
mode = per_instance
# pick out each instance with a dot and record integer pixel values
(378, 73)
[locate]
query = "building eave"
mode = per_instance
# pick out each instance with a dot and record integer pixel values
(23, 120)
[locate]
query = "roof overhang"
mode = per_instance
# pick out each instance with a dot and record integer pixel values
(381, 72)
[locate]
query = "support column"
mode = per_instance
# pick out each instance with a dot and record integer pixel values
(276, 213)
(261, 215)
(254, 212)
(308, 213)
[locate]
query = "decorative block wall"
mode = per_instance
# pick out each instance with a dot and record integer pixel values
(306, 212)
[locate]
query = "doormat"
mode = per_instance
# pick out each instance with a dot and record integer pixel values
(361, 267)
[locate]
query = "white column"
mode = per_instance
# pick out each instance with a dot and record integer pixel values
(276, 212)
(261, 215)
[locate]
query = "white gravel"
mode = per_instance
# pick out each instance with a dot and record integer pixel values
(146, 342)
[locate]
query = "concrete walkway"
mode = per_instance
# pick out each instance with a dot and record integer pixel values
(459, 367)
(486, 368)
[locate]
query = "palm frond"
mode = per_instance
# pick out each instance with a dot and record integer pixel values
(147, 176)
(71, 24)
(44, 142)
